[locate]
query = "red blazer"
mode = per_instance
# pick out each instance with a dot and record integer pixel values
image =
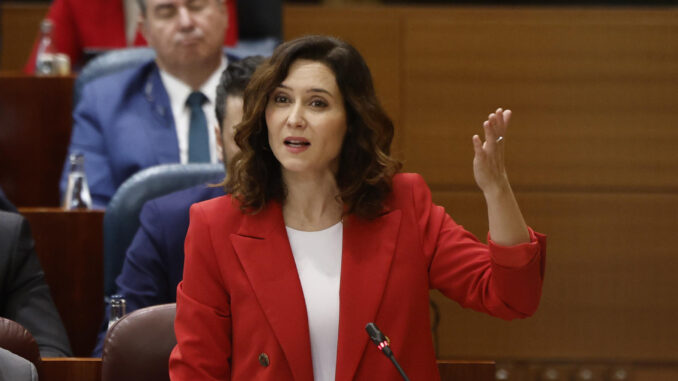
(100, 24)
(241, 296)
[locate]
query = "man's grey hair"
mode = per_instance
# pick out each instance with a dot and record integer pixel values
(142, 6)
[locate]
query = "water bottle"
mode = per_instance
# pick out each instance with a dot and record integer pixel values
(44, 59)
(118, 309)
(77, 191)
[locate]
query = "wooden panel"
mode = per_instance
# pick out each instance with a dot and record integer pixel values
(71, 369)
(466, 370)
(594, 94)
(20, 24)
(35, 128)
(581, 370)
(610, 280)
(656, 374)
(374, 31)
(89, 369)
(70, 248)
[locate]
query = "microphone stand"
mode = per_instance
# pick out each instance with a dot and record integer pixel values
(383, 345)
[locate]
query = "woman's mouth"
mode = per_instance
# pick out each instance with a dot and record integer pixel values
(296, 145)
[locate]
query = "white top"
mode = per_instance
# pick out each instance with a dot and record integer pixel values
(318, 259)
(178, 93)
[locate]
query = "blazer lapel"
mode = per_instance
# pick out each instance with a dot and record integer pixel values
(162, 131)
(368, 251)
(264, 251)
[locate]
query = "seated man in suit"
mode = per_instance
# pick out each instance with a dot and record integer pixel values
(81, 25)
(24, 294)
(154, 262)
(159, 111)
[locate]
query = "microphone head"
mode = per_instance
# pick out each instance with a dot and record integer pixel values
(374, 333)
(379, 339)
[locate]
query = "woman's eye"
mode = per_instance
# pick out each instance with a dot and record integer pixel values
(318, 103)
(280, 99)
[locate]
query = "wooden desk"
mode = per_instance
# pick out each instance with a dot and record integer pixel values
(71, 369)
(89, 369)
(35, 128)
(69, 245)
(455, 370)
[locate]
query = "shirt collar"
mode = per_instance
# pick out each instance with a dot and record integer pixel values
(179, 91)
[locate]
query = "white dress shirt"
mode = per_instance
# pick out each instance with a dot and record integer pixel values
(178, 93)
(317, 256)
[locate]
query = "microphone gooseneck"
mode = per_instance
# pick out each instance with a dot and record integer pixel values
(383, 345)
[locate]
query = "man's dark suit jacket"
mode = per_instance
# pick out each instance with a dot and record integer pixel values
(24, 295)
(154, 263)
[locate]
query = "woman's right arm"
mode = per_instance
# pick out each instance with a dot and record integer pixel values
(203, 320)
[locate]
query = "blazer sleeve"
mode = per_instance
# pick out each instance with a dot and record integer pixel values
(502, 281)
(203, 350)
(88, 138)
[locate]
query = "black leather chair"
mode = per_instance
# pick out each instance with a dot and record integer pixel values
(138, 346)
(121, 219)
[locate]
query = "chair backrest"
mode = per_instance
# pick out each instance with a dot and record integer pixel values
(116, 60)
(138, 346)
(16, 339)
(259, 19)
(108, 63)
(121, 219)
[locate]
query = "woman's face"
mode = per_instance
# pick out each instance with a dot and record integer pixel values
(306, 119)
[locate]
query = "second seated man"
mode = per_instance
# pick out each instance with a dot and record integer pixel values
(160, 111)
(154, 262)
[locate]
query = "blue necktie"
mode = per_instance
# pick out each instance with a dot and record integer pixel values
(198, 140)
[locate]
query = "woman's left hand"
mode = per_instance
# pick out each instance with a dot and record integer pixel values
(488, 163)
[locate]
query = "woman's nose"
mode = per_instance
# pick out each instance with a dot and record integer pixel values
(295, 118)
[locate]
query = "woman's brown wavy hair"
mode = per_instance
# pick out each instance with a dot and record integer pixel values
(365, 165)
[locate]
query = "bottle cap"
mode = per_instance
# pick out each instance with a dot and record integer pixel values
(46, 26)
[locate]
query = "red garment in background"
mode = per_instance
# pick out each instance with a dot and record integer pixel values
(100, 25)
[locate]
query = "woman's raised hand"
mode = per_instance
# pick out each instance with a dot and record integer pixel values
(488, 163)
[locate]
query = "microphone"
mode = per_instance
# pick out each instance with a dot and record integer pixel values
(383, 345)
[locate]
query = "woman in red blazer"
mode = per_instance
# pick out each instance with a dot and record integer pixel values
(315, 159)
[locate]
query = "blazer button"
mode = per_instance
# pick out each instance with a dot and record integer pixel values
(263, 359)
